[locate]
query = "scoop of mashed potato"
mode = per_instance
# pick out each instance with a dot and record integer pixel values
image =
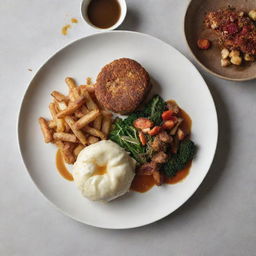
(103, 171)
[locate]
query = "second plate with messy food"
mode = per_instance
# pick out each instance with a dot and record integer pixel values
(222, 37)
(128, 121)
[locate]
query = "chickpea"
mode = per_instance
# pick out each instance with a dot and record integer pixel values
(248, 57)
(214, 25)
(252, 14)
(236, 60)
(224, 53)
(225, 62)
(234, 53)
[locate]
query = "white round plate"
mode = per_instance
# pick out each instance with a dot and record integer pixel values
(177, 79)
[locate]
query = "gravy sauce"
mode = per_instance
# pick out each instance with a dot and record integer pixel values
(143, 183)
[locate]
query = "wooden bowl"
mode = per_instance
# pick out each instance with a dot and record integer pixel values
(210, 59)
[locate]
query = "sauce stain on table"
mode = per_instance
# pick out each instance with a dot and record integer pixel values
(74, 20)
(64, 30)
(62, 168)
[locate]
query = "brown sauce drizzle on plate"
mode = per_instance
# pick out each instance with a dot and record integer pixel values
(62, 168)
(143, 183)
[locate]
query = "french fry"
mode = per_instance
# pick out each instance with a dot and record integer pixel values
(94, 132)
(77, 133)
(77, 120)
(92, 139)
(73, 89)
(67, 128)
(59, 122)
(65, 137)
(97, 122)
(62, 105)
(86, 119)
(74, 94)
(84, 109)
(60, 125)
(88, 81)
(106, 113)
(90, 89)
(106, 124)
(51, 124)
(78, 113)
(72, 108)
(81, 112)
(66, 149)
(45, 130)
(91, 105)
(53, 111)
(58, 96)
(70, 83)
(78, 149)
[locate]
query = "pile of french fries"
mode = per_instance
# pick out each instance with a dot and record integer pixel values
(77, 120)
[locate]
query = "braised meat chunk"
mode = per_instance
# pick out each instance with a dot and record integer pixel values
(160, 157)
(147, 168)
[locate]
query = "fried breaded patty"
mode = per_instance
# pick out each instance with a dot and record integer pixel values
(122, 85)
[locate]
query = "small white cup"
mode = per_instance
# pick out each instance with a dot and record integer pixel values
(123, 8)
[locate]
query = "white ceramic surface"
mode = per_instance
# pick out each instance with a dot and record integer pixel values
(176, 79)
(123, 7)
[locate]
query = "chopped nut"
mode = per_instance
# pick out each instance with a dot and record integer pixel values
(248, 57)
(236, 60)
(214, 25)
(241, 14)
(234, 53)
(252, 15)
(224, 53)
(225, 62)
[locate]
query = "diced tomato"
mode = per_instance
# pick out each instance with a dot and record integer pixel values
(168, 125)
(142, 138)
(203, 44)
(174, 119)
(155, 130)
(166, 115)
(143, 123)
(245, 30)
(232, 28)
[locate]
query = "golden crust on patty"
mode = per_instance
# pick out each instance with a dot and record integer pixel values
(122, 85)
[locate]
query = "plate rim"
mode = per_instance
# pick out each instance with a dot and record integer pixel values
(120, 227)
(199, 62)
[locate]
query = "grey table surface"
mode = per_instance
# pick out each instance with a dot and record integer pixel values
(219, 219)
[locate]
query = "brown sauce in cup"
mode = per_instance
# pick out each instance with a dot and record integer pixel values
(103, 13)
